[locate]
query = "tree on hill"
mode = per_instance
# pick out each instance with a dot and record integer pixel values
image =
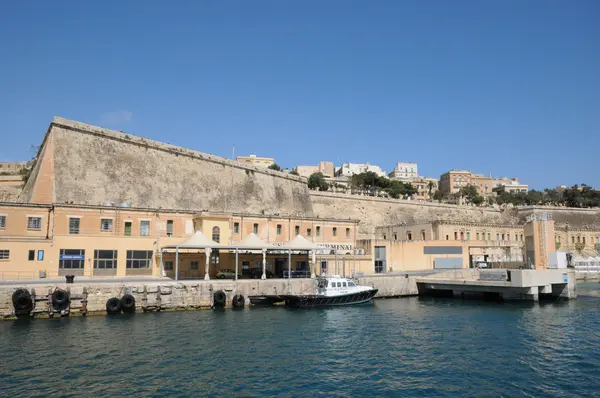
(471, 195)
(275, 167)
(317, 181)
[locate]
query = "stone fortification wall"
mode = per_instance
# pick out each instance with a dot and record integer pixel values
(374, 212)
(94, 165)
(9, 193)
(562, 216)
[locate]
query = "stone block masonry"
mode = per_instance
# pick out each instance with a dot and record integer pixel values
(92, 165)
(83, 164)
(90, 298)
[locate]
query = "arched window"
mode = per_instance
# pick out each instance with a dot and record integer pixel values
(216, 234)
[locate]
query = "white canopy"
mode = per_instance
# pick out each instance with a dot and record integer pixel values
(300, 243)
(197, 241)
(252, 242)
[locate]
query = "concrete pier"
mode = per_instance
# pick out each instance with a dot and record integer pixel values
(502, 284)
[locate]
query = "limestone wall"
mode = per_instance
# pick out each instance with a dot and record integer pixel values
(94, 165)
(91, 298)
(374, 212)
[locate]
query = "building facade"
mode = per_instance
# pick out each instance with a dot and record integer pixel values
(453, 181)
(56, 240)
(425, 187)
(256, 161)
(349, 169)
(405, 171)
(327, 168)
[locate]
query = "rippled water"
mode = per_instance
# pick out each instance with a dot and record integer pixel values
(399, 347)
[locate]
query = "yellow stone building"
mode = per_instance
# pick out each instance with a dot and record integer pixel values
(56, 240)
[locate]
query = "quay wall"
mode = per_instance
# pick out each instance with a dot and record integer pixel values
(91, 298)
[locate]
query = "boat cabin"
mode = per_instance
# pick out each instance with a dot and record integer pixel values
(335, 285)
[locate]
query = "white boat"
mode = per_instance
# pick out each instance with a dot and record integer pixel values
(332, 290)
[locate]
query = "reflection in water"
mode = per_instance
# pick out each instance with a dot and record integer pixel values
(400, 347)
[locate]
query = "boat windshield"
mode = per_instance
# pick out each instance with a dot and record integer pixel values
(350, 283)
(322, 283)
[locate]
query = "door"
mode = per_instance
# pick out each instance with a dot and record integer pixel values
(280, 267)
(379, 259)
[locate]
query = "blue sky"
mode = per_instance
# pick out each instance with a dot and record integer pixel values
(508, 87)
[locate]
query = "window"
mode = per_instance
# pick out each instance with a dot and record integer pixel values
(139, 259)
(423, 235)
(351, 284)
(384, 237)
(278, 229)
(169, 228)
(214, 256)
(497, 236)
(106, 225)
(194, 265)
(144, 228)
(297, 230)
(489, 236)
(40, 255)
(34, 223)
(71, 259)
(477, 236)
(455, 235)
(468, 235)
(255, 228)
(73, 226)
(334, 231)
(347, 232)
(4, 254)
(343, 284)
(236, 227)
(31, 256)
(168, 265)
(308, 232)
(216, 234)
(2, 222)
(583, 239)
(447, 237)
(572, 239)
(127, 228)
(105, 259)
(395, 236)
(409, 235)
(318, 231)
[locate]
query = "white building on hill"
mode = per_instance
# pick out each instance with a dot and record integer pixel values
(349, 169)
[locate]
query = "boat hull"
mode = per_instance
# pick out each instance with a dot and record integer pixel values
(312, 301)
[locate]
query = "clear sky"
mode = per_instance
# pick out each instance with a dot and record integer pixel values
(508, 87)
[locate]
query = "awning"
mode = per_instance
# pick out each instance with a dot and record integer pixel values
(197, 241)
(300, 243)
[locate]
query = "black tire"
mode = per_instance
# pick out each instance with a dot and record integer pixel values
(113, 306)
(22, 301)
(238, 301)
(128, 303)
(60, 300)
(219, 299)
